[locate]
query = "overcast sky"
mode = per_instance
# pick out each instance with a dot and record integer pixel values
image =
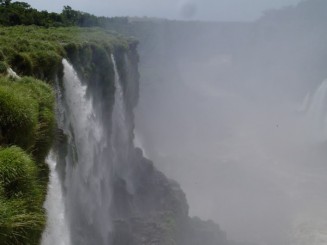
(233, 10)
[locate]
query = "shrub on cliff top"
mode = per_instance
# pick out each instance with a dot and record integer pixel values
(22, 63)
(18, 117)
(17, 173)
(44, 96)
(27, 117)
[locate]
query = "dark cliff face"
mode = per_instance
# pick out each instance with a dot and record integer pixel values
(146, 207)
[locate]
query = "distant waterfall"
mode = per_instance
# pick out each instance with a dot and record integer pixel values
(317, 113)
(96, 151)
(310, 227)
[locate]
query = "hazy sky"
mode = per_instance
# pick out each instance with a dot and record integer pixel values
(173, 9)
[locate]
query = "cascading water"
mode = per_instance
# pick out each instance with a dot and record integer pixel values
(87, 176)
(94, 154)
(57, 230)
(120, 132)
(316, 112)
(310, 225)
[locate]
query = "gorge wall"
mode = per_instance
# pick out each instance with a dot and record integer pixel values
(114, 195)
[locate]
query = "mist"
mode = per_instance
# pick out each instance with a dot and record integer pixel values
(236, 113)
(163, 122)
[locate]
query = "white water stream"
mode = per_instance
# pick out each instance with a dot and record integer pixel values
(57, 230)
(310, 226)
(94, 151)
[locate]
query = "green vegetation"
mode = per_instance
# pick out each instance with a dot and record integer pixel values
(26, 120)
(18, 118)
(34, 42)
(37, 51)
(18, 175)
(3, 68)
(25, 113)
(22, 218)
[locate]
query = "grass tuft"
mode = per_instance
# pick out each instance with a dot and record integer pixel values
(22, 217)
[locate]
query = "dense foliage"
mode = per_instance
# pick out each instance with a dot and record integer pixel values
(26, 134)
(27, 118)
(21, 216)
(37, 51)
(21, 13)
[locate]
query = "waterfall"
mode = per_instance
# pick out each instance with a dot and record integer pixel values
(87, 179)
(96, 148)
(316, 113)
(310, 225)
(57, 230)
(120, 130)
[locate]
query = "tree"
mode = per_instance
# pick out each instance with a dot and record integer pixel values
(70, 16)
(21, 4)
